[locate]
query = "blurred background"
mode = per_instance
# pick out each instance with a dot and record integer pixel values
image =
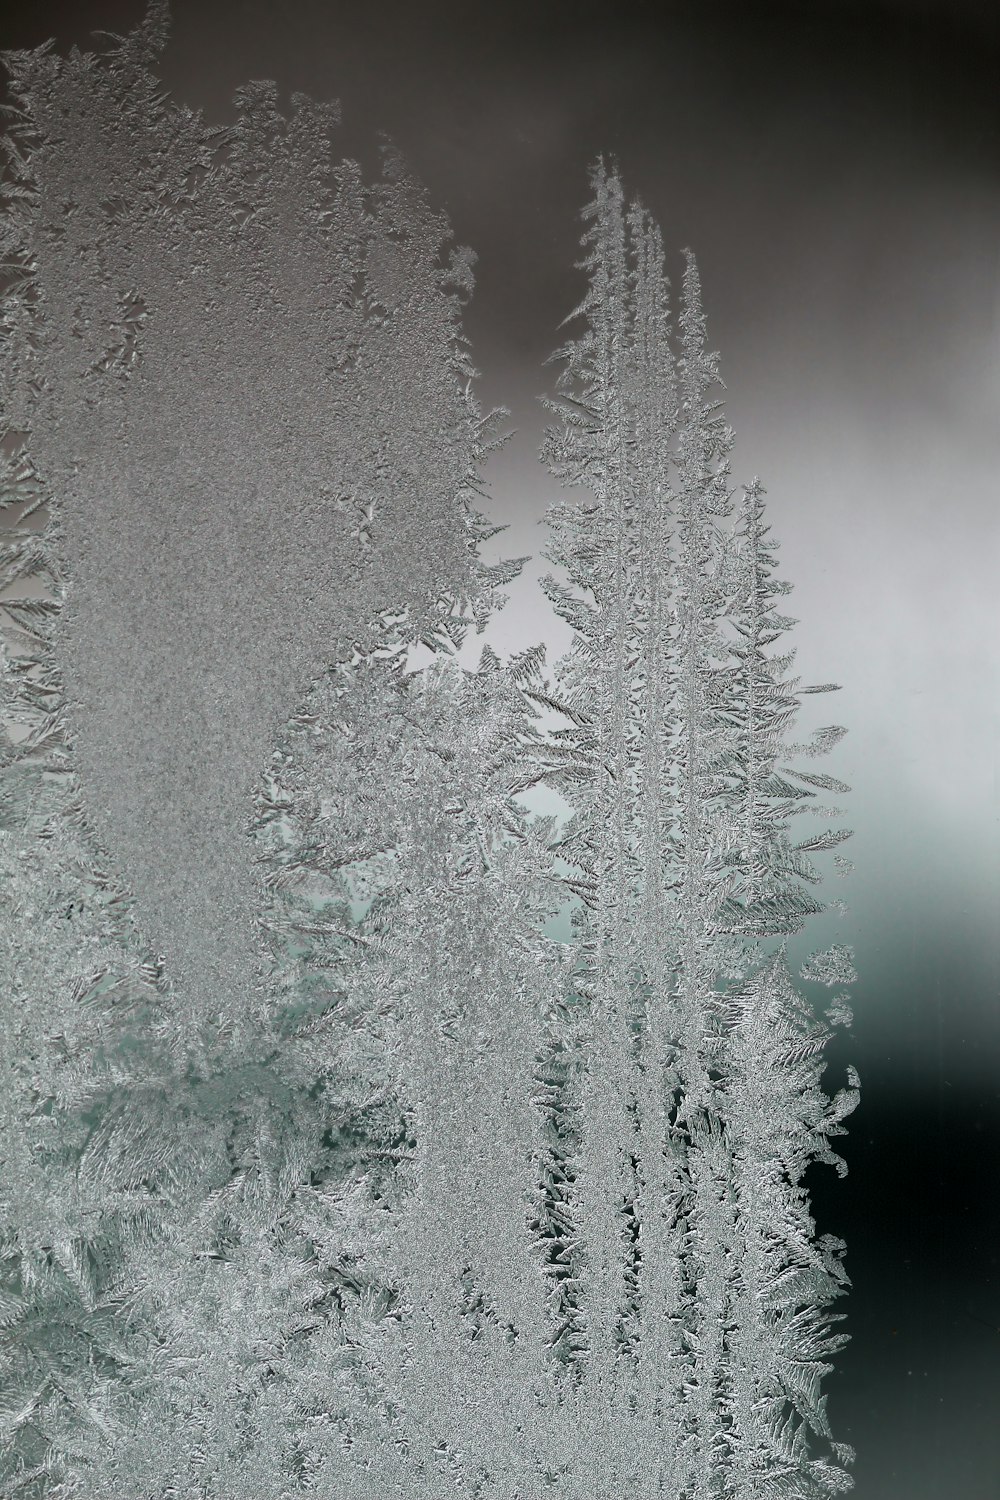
(836, 167)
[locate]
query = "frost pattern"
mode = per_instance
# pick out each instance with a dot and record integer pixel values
(324, 1170)
(834, 966)
(179, 1091)
(240, 375)
(699, 1292)
(619, 1291)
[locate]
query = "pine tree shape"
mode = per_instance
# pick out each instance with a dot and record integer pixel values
(656, 1326)
(413, 1201)
(676, 719)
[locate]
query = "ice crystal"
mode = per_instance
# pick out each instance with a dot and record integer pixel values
(325, 1171)
(239, 372)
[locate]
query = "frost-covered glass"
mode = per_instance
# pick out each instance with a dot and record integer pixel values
(324, 1169)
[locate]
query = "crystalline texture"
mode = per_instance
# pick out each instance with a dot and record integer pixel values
(368, 1188)
(236, 376)
(608, 1277)
(701, 1295)
(246, 393)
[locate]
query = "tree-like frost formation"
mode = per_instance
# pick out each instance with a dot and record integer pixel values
(234, 384)
(619, 1292)
(246, 388)
(325, 1170)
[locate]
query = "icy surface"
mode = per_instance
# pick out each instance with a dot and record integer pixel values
(244, 381)
(324, 1170)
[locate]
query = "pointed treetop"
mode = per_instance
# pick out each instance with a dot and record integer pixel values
(693, 326)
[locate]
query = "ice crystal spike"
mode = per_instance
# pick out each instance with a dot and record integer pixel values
(698, 1293)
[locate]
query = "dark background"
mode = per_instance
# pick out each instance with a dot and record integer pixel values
(836, 167)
